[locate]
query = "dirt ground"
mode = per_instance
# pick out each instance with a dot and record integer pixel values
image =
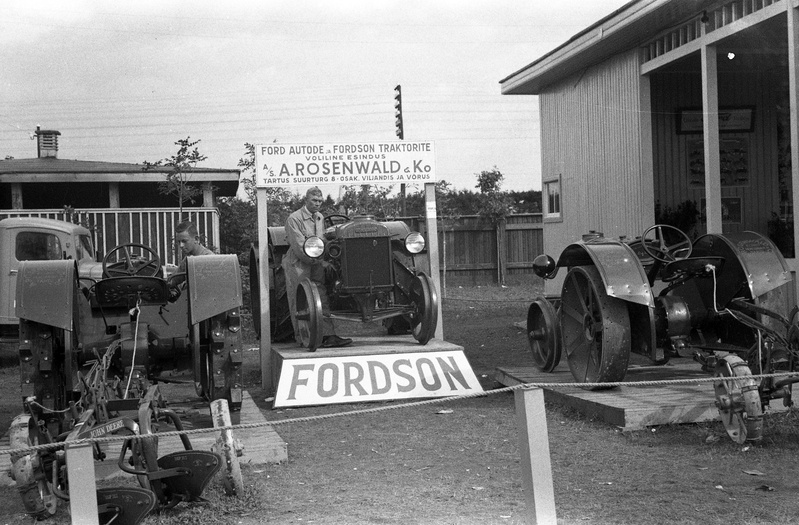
(458, 461)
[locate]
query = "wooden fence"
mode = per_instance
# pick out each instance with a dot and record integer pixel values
(473, 251)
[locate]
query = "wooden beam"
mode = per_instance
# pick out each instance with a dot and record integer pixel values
(267, 382)
(113, 195)
(793, 87)
(710, 120)
(16, 196)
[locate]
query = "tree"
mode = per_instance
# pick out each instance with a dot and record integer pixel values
(178, 177)
(495, 206)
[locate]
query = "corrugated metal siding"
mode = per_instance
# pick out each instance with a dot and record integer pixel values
(591, 137)
(672, 91)
(153, 227)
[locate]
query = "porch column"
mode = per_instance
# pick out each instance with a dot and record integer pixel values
(16, 196)
(710, 121)
(113, 195)
(793, 82)
(208, 196)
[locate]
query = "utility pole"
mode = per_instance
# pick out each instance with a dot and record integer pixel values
(400, 134)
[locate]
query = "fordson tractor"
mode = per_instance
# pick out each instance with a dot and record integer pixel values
(374, 275)
(96, 340)
(727, 301)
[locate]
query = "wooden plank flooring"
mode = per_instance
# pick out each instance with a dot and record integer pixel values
(629, 407)
(260, 444)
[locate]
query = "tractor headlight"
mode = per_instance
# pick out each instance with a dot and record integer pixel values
(313, 247)
(414, 242)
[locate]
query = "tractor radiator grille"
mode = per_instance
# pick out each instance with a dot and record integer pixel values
(366, 262)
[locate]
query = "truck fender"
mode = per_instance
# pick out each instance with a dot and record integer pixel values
(214, 285)
(47, 292)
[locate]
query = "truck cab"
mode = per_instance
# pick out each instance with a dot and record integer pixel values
(33, 239)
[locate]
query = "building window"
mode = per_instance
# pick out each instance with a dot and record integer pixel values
(552, 201)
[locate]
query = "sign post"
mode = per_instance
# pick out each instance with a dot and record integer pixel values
(317, 164)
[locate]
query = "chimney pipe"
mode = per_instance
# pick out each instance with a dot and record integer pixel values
(47, 141)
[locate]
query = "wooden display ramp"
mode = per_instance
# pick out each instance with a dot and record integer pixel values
(383, 351)
(260, 445)
(632, 407)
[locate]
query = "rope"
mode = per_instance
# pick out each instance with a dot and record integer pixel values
(412, 404)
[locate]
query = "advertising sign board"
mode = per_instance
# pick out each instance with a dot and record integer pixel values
(355, 379)
(394, 162)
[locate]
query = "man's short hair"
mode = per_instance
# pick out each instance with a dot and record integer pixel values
(314, 190)
(187, 226)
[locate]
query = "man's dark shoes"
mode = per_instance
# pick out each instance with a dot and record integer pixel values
(334, 341)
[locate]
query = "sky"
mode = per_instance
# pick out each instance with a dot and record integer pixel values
(123, 81)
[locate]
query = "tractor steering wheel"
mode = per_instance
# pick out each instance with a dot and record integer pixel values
(143, 262)
(658, 246)
(340, 219)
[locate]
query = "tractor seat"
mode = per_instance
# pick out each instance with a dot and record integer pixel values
(691, 267)
(124, 292)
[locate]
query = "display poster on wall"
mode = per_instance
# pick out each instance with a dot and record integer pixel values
(312, 164)
(733, 162)
(355, 379)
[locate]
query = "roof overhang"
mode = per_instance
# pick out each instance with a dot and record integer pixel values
(627, 28)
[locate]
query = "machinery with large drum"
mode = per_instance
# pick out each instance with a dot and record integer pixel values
(726, 301)
(96, 339)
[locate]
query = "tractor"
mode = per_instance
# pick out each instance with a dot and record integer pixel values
(374, 275)
(725, 301)
(96, 341)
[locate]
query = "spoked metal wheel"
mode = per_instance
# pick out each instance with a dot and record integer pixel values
(543, 334)
(595, 328)
(738, 400)
(28, 471)
(425, 308)
(309, 315)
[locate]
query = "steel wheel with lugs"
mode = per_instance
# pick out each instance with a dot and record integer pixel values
(595, 328)
(738, 400)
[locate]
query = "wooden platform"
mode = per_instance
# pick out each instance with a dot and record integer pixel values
(261, 444)
(629, 407)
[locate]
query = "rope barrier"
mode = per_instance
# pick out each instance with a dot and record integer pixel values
(412, 404)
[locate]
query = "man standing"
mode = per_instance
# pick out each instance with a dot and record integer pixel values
(301, 224)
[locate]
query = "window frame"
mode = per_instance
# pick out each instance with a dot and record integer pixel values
(548, 215)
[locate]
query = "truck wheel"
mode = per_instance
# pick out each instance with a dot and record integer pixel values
(309, 315)
(543, 334)
(425, 309)
(28, 471)
(738, 400)
(595, 328)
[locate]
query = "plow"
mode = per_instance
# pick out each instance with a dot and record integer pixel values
(97, 342)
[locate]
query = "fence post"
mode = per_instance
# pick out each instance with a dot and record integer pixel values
(502, 252)
(534, 450)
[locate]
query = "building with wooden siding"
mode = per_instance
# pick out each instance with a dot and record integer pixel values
(119, 202)
(665, 104)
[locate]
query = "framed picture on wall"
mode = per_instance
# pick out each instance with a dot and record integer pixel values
(731, 210)
(734, 159)
(738, 119)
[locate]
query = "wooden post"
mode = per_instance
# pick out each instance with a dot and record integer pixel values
(225, 447)
(710, 120)
(82, 485)
(263, 283)
(431, 220)
(502, 255)
(534, 449)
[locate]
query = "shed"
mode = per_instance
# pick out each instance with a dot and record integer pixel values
(119, 202)
(667, 105)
